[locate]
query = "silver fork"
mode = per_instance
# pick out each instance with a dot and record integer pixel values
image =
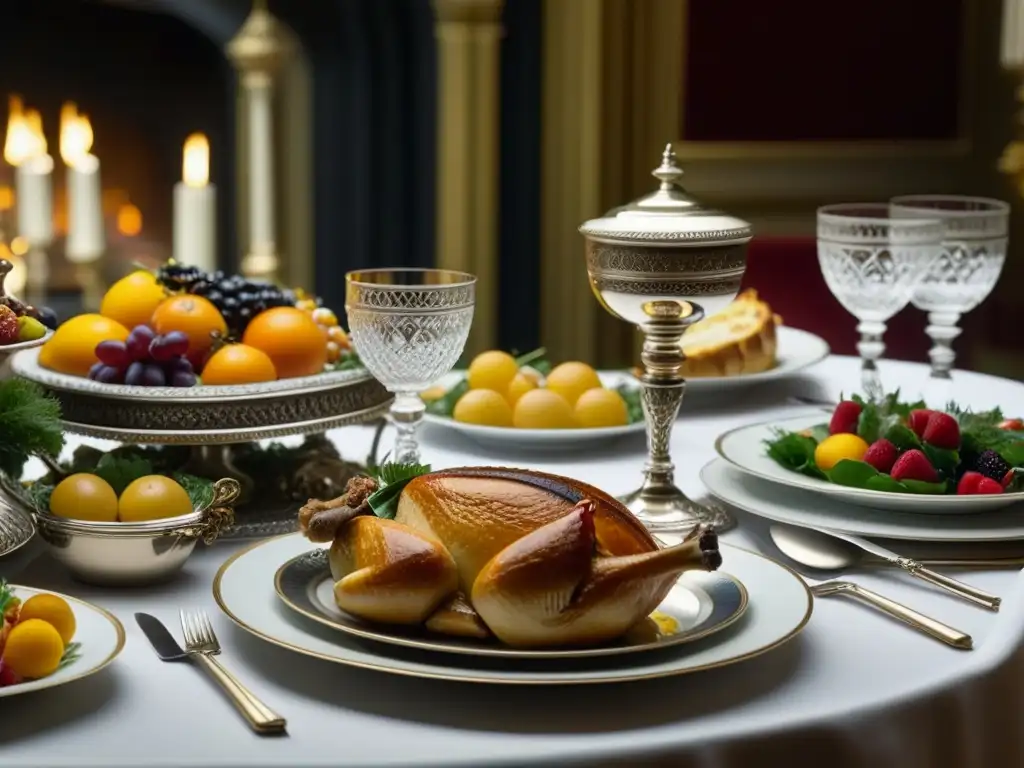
(202, 645)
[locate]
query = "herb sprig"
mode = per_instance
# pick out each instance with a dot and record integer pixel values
(30, 425)
(391, 480)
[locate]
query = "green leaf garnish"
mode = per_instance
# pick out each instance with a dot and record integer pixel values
(120, 472)
(30, 425)
(858, 474)
(199, 489)
(796, 452)
(72, 653)
(6, 597)
(392, 479)
(1016, 483)
(632, 396)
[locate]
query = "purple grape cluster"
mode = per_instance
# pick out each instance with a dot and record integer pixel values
(145, 359)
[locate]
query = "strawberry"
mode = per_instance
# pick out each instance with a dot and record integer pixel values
(914, 465)
(975, 483)
(1008, 478)
(881, 455)
(1013, 425)
(7, 676)
(844, 418)
(918, 420)
(8, 325)
(942, 431)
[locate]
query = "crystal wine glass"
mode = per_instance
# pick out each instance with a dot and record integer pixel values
(976, 233)
(871, 261)
(409, 327)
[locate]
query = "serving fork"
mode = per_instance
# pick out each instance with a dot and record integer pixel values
(202, 646)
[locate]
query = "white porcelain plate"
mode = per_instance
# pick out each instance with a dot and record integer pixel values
(780, 606)
(796, 507)
(540, 439)
(797, 350)
(744, 448)
(10, 349)
(100, 637)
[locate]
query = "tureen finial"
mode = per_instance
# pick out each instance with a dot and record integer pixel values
(669, 172)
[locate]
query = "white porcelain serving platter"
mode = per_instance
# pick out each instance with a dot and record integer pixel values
(780, 606)
(100, 637)
(744, 448)
(798, 507)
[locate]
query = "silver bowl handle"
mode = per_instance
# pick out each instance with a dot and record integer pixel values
(220, 513)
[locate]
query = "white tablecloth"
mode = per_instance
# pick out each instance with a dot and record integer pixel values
(854, 689)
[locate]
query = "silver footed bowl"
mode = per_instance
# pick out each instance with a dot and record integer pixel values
(129, 554)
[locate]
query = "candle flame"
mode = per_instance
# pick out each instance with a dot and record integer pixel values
(75, 135)
(195, 170)
(25, 138)
(129, 220)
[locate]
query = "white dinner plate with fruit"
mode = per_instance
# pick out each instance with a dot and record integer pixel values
(526, 404)
(905, 458)
(49, 639)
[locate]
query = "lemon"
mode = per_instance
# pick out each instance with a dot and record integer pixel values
(485, 407)
(570, 380)
(72, 348)
(492, 370)
(33, 649)
(153, 497)
(52, 609)
(543, 409)
(84, 497)
(835, 448)
(519, 386)
(132, 300)
(600, 407)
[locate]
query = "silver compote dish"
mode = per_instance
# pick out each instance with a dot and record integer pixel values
(214, 429)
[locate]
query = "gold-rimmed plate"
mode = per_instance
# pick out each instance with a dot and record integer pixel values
(699, 605)
(99, 634)
(244, 590)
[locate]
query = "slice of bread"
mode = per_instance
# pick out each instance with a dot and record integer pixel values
(738, 340)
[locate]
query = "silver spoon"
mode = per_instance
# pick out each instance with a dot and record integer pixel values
(824, 552)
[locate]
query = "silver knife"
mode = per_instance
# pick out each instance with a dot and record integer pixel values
(917, 570)
(167, 649)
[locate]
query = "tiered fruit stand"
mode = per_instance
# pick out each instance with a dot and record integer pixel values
(221, 425)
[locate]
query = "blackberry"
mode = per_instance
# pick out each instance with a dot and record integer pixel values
(992, 465)
(180, 277)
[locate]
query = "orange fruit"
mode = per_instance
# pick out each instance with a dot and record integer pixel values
(84, 497)
(34, 649)
(153, 497)
(238, 364)
(291, 339)
(132, 300)
(72, 349)
(52, 609)
(194, 316)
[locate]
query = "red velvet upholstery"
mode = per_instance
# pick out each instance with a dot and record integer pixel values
(786, 274)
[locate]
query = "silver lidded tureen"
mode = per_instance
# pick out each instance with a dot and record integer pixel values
(664, 262)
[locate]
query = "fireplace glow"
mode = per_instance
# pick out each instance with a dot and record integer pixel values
(195, 166)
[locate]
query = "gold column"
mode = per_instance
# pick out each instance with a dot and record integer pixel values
(468, 46)
(612, 90)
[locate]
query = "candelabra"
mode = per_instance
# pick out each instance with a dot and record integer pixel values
(257, 51)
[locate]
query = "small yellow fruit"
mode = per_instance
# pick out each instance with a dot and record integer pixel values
(84, 497)
(492, 370)
(52, 609)
(543, 409)
(33, 649)
(132, 300)
(519, 386)
(484, 407)
(835, 448)
(601, 407)
(153, 497)
(571, 380)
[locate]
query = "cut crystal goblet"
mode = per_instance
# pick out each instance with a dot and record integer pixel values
(871, 260)
(409, 327)
(970, 260)
(662, 263)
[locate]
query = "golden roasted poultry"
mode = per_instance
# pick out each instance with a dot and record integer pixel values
(533, 559)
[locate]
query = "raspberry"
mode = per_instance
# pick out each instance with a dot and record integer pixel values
(844, 418)
(8, 325)
(881, 455)
(942, 431)
(914, 465)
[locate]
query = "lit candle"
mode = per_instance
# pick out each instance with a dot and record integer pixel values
(25, 149)
(1013, 34)
(195, 205)
(86, 238)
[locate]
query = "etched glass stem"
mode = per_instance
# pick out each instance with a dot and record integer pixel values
(406, 414)
(871, 348)
(660, 402)
(942, 330)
